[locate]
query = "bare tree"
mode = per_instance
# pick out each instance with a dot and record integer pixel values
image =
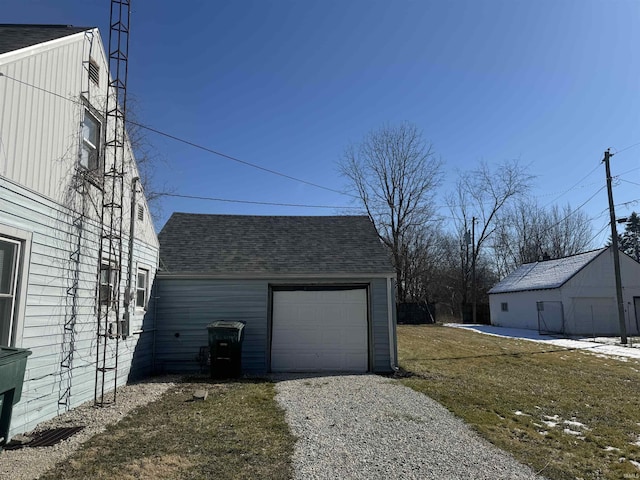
(394, 173)
(527, 233)
(482, 194)
(148, 161)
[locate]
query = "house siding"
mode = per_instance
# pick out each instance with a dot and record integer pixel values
(43, 94)
(42, 110)
(47, 307)
(184, 308)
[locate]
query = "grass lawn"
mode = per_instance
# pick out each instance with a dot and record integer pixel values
(568, 414)
(238, 432)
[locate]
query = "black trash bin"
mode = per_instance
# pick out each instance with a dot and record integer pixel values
(225, 347)
(13, 362)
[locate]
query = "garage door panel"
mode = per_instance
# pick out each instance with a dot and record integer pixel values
(319, 331)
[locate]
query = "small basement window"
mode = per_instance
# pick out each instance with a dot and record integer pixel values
(504, 306)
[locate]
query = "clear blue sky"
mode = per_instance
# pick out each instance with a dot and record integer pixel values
(288, 84)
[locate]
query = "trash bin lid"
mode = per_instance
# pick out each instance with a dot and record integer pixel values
(9, 355)
(222, 324)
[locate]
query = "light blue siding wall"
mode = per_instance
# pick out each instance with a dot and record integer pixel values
(184, 308)
(380, 325)
(47, 307)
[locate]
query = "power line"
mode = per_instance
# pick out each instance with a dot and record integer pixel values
(251, 202)
(574, 186)
(235, 159)
(626, 148)
(192, 144)
(629, 181)
(574, 210)
(598, 234)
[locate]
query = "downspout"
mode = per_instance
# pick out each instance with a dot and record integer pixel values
(132, 225)
(392, 329)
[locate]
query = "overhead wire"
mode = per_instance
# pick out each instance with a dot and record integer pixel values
(574, 186)
(235, 159)
(277, 173)
(252, 202)
(193, 144)
(626, 148)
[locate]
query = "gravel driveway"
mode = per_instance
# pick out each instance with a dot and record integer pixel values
(367, 426)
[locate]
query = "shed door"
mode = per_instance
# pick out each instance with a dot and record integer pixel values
(596, 316)
(321, 330)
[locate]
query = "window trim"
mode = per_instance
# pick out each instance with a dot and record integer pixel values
(147, 271)
(24, 261)
(87, 145)
(110, 266)
(504, 306)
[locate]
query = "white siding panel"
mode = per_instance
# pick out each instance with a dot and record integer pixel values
(36, 133)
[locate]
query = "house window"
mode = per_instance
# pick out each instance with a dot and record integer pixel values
(504, 306)
(108, 281)
(142, 287)
(9, 263)
(90, 150)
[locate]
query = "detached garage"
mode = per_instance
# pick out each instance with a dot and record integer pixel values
(573, 295)
(316, 293)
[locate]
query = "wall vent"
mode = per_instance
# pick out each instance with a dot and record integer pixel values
(94, 72)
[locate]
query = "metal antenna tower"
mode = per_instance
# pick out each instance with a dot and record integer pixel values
(110, 252)
(76, 201)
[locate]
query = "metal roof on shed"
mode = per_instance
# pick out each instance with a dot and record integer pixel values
(202, 244)
(545, 275)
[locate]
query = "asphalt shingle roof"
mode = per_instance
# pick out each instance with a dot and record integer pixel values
(244, 244)
(15, 36)
(546, 274)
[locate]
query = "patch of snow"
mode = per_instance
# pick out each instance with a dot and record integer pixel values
(555, 417)
(637, 442)
(519, 413)
(609, 348)
(550, 424)
(574, 424)
(571, 432)
(611, 449)
(544, 432)
(635, 464)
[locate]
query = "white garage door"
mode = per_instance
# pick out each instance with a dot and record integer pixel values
(317, 331)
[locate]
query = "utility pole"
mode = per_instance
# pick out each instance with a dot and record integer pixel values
(473, 268)
(616, 253)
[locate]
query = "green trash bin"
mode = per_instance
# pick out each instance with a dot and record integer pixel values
(13, 362)
(225, 348)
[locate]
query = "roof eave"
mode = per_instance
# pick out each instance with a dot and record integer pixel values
(272, 276)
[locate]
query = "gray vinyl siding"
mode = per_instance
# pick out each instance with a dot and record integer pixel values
(184, 308)
(47, 306)
(380, 325)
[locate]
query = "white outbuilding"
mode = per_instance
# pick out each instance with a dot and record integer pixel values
(573, 295)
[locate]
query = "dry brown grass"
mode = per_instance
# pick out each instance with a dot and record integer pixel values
(238, 432)
(507, 389)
